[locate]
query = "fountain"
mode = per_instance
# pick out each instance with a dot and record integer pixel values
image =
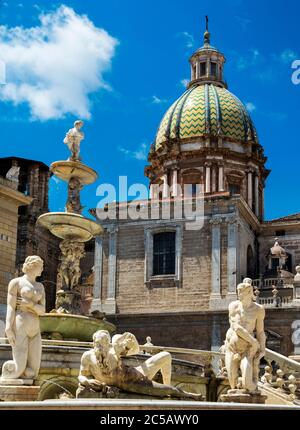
(66, 321)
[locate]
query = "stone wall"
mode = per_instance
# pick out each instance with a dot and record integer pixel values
(204, 330)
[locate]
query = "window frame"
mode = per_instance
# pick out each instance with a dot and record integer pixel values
(149, 277)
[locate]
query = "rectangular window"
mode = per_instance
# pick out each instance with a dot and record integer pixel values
(234, 189)
(202, 69)
(213, 69)
(164, 253)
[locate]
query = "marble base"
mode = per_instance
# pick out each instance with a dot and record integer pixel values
(17, 382)
(242, 396)
(19, 393)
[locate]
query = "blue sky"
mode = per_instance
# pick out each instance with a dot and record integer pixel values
(122, 80)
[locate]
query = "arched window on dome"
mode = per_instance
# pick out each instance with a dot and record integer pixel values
(203, 68)
(213, 69)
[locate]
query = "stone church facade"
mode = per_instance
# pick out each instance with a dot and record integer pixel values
(161, 278)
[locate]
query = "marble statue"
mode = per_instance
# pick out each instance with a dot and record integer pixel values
(25, 302)
(244, 349)
(103, 370)
(69, 269)
(73, 139)
(13, 173)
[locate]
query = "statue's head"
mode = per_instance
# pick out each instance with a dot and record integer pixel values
(245, 291)
(101, 339)
(247, 281)
(124, 342)
(78, 124)
(33, 265)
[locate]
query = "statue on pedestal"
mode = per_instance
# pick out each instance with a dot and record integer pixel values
(25, 303)
(73, 139)
(245, 340)
(103, 372)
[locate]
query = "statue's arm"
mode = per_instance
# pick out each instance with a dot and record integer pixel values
(40, 308)
(135, 347)
(11, 310)
(260, 331)
(84, 373)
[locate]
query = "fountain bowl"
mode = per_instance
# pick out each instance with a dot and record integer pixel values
(66, 170)
(66, 225)
(72, 327)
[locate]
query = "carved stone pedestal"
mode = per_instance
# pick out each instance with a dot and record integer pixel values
(19, 393)
(243, 396)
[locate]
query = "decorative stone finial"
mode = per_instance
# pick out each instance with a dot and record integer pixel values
(207, 33)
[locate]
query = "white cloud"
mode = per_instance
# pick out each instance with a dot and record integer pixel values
(250, 107)
(139, 154)
(188, 38)
(287, 56)
(56, 66)
(158, 101)
(185, 82)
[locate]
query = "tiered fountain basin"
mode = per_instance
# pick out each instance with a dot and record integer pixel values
(72, 327)
(66, 170)
(70, 226)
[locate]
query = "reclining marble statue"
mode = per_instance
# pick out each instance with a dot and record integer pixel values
(104, 371)
(25, 302)
(245, 340)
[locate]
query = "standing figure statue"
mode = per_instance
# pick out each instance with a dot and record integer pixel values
(103, 371)
(73, 138)
(243, 350)
(25, 303)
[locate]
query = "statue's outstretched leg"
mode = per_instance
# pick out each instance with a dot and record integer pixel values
(159, 362)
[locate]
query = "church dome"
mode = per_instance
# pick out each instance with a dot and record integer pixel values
(206, 110)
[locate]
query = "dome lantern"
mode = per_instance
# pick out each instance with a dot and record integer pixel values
(207, 64)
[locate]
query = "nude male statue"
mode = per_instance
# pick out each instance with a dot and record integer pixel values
(243, 350)
(103, 370)
(73, 139)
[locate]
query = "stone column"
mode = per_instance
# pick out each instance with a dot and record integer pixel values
(215, 296)
(232, 256)
(197, 70)
(174, 183)
(98, 263)
(250, 191)
(151, 192)
(256, 193)
(221, 177)
(214, 182)
(165, 186)
(110, 303)
(207, 177)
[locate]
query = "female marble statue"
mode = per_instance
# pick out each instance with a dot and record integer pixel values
(25, 302)
(102, 369)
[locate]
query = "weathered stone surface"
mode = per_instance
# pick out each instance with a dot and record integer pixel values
(18, 393)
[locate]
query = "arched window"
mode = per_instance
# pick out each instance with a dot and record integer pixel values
(164, 253)
(251, 269)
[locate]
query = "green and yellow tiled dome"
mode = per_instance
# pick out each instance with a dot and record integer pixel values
(206, 110)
